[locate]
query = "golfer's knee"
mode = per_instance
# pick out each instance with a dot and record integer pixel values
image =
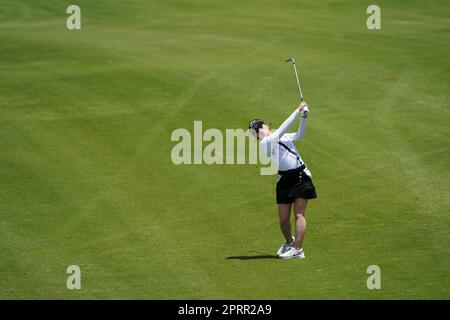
(299, 214)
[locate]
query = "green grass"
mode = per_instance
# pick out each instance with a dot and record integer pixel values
(85, 170)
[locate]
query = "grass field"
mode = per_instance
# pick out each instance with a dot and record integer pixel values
(86, 176)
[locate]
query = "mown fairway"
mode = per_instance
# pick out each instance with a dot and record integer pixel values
(86, 176)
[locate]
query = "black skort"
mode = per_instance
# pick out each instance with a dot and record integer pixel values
(294, 184)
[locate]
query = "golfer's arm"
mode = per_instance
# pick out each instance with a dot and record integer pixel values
(301, 131)
(275, 136)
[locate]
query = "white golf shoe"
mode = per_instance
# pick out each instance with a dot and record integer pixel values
(285, 246)
(292, 253)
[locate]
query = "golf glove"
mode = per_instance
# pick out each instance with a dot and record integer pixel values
(305, 112)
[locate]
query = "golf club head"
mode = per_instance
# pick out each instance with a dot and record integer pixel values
(291, 59)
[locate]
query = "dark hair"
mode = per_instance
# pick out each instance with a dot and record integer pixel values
(254, 126)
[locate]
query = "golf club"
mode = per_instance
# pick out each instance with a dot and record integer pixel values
(292, 59)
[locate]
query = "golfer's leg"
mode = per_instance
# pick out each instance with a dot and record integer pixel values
(284, 212)
(300, 221)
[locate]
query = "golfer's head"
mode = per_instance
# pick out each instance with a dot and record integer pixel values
(258, 128)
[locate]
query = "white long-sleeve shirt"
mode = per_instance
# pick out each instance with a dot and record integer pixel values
(284, 159)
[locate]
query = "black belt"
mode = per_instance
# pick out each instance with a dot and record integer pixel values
(301, 168)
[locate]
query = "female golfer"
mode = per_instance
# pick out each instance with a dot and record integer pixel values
(294, 185)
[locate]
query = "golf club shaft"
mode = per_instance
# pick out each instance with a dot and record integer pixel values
(298, 81)
(292, 59)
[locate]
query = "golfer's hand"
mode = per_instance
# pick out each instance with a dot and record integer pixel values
(302, 105)
(303, 108)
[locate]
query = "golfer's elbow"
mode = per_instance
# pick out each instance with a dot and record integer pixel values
(299, 136)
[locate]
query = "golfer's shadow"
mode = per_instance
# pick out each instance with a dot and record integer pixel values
(253, 257)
